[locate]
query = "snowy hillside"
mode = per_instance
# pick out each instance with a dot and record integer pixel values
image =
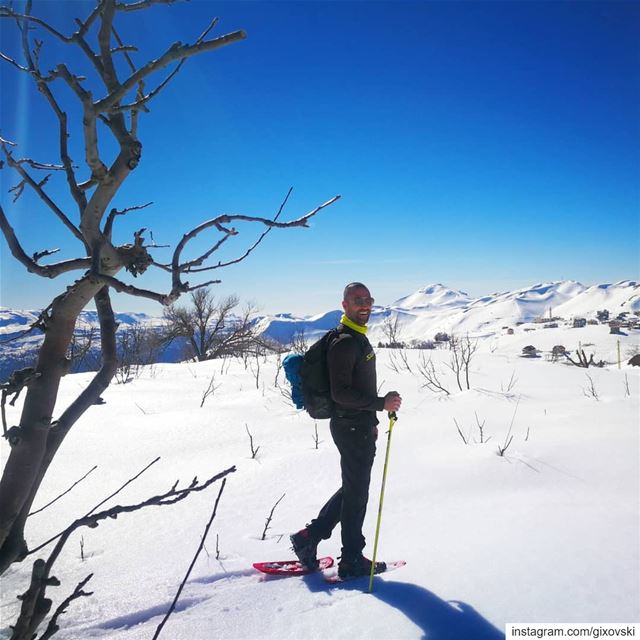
(435, 308)
(549, 532)
(622, 296)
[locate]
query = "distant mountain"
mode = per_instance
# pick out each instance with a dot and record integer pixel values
(434, 295)
(420, 315)
(284, 327)
(434, 308)
(14, 322)
(19, 345)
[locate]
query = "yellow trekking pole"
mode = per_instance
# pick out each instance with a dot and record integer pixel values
(392, 420)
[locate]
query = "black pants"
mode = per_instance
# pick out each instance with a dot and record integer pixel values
(348, 505)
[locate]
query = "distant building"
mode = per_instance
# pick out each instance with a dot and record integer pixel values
(578, 323)
(615, 326)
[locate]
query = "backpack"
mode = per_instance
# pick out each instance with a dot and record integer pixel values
(308, 375)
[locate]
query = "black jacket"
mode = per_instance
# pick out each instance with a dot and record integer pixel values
(352, 374)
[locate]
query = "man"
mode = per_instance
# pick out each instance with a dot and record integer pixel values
(352, 374)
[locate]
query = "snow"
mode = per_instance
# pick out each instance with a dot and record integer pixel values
(550, 532)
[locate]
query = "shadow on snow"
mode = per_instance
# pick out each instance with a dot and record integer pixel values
(439, 619)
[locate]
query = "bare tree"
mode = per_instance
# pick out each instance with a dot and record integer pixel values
(210, 327)
(469, 347)
(462, 352)
(457, 360)
(79, 352)
(210, 390)
(582, 360)
(427, 370)
(136, 346)
(111, 100)
(299, 343)
(391, 330)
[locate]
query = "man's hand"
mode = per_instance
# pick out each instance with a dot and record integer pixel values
(392, 401)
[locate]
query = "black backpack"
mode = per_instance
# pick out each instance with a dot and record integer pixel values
(309, 378)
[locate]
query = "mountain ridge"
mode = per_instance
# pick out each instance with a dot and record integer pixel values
(419, 315)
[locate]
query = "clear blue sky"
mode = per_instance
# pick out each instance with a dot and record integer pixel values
(483, 145)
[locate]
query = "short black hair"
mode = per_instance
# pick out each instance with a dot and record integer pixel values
(353, 285)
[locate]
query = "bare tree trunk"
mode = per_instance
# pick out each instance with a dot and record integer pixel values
(39, 439)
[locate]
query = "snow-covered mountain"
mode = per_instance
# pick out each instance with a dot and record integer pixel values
(18, 345)
(420, 315)
(14, 322)
(437, 308)
(434, 295)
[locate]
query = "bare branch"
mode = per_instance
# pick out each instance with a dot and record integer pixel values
(269, 518)
(122, 287)
(43, 196)
(177, 51)
(140, 92)
(465, 439)
(64, 493)
(142, 4)
(41, 81)
(6, 12)
(509, 437)
(92, 156)
(188, 266)
(114, 213)
(86, 25)
(254, 450)
(40, 165)
(46, 271)
(193, 562)
(427, 370)
(177, 268)
(34, 604)
(142, 99)
(14, 63)
(78, 592)
(43, 254)
(113, 495)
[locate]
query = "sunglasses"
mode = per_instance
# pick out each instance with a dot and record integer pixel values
(363, 301)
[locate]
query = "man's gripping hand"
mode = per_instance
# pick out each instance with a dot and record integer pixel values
(392, 401)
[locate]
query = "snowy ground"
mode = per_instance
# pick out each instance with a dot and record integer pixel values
(548, 533)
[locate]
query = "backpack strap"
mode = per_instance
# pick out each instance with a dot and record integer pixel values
(339, 334)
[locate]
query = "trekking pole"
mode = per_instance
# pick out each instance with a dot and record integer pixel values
(392, 420)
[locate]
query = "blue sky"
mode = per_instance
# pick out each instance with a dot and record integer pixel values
(483, 145)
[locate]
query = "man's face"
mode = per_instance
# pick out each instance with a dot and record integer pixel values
(357, 305)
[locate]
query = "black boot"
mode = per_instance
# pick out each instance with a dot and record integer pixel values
(305, 546)
(355, 566)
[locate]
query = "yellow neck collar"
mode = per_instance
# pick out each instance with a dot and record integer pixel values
(347, 322)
